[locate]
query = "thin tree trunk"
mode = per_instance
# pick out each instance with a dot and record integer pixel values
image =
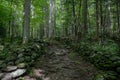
(85, 16)
(97, 19)
(74, 18)
(118, 15)
(101, 21)
(54, 30)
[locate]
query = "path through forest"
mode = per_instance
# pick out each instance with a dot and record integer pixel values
(61, 65)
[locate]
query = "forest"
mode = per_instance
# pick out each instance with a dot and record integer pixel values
(59, 39)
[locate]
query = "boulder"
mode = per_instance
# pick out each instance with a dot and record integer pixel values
(1, 75)
(21, 65)
(14, 74)
(10, 68)
(1, 47)
(7, 77)
(18, 72)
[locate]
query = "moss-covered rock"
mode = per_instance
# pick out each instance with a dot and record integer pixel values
(99, 77)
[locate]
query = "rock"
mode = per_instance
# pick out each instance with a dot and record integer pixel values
(21, 65)
(59, 53)
(1, 47)
(3, 65)
(46, 78)
(14, 74)
(7, 77)
(37, 45)
(10, 68)
(99, 77)
(37, 73)
(10, 63)
(20, 60)
(18, 72)
(1, 75)
(26, 78)
(20, 55)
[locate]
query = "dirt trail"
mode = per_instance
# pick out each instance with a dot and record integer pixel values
(60, 66)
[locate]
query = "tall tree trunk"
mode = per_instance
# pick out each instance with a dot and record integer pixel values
(101, 22)
(108, 25)
(46, 23)
(15, 22)
(74, 18)
(85, 12)
(50, 19)
(54, 30)
(97, 19)
(118, 15)
(26, 23)
(79, 35)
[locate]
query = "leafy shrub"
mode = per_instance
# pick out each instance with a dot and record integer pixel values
(105, 57)
(14, 54)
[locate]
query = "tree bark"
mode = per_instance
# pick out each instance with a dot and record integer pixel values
(118, 15)
(108, 17)
(85, 16)
(97, 19)
(50, 19)
(26, 23)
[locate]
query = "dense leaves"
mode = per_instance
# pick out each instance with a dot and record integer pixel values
(105, 57)
(15, 54)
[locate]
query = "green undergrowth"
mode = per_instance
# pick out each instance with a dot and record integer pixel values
(16, 53)
(106, 57)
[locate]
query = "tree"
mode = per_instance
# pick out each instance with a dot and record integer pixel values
(74, 17)
(97, 18)
(50, 19)
(118, 14)
(26, 22)
(85, 15)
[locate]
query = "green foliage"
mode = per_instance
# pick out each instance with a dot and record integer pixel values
(109, 75)
(13, 54)
(105, 57)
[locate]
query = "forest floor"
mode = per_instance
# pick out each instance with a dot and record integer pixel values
(62, 64)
